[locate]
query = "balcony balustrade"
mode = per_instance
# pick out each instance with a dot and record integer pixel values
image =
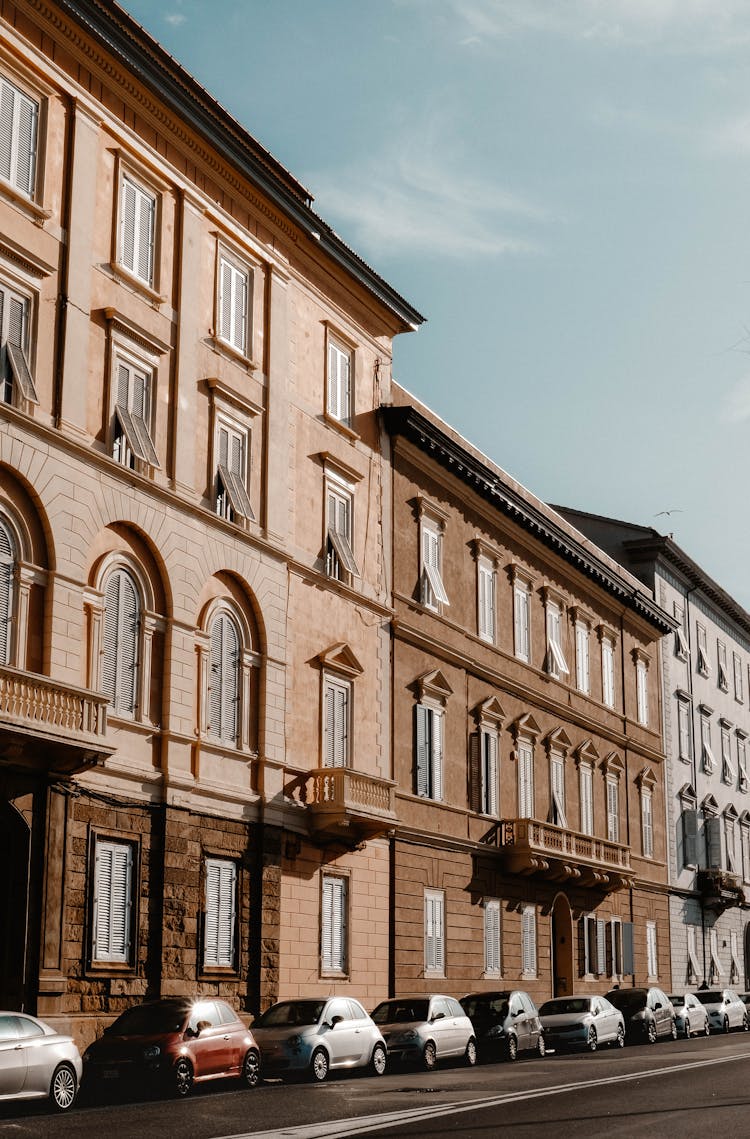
(529, 846)
(348, 804)
(720, 889)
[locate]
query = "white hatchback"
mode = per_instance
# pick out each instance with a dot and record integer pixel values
(426, 1029)
(316, 1036)
(725, 1009)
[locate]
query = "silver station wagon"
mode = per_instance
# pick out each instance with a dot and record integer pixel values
(36, 1062)
(426, 1029)
(316, 1036)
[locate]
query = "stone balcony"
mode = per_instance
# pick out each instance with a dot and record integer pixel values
(347, 804)
(720, 889)
(528, 846)
(50, 727)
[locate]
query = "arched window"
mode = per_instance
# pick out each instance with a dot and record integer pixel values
(122, 615)
(224, 695)
(7, 574)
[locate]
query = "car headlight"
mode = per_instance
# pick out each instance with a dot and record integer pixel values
(497, 1030)
(152, 1052)
(295, 1041)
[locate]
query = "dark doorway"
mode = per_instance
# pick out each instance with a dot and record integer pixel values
(562, 947)
(15, 850)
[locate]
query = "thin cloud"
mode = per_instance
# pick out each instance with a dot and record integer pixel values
(408, 201)
(735, 406)
(176, 19)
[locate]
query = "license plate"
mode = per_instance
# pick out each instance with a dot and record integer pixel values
(110, 1074)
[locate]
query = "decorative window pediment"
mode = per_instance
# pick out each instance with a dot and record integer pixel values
(340, 658)
(586, 753)
(730, 812)
(490, 711)
(709, 806)
(745, 819)
(558, 741)
(687, 795)
(612, 765)
(433, 684)
(646, 778)
(525, 726)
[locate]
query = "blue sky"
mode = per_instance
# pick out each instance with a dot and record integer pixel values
(563, 188)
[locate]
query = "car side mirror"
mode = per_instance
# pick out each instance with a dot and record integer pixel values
(657, 1006)
(439, 1016)
(335, 1020)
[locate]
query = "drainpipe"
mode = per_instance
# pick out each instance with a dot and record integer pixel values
(694, 759)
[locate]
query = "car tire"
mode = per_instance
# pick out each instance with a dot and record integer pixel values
(470, 1055)
(651, 1032)
(725, 1025)
(429, 1056)
(250, 1074)
(63, 1088)
(673, 1029)
(620, 1038)
(745, 1023)
(182, 1078)
(319, 1065)
(707, 1027)
(592, 1041)
(511, 1048)
(379, 1060)
(541, 1047)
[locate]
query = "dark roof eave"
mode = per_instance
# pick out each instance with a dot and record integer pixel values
(412, 425)
(124, 37)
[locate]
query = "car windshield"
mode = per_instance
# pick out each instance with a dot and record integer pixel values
(290, 1013)
(148, 1020)
(678, 1002)
(492, 1006)
(707, 997)
(627, 1000)
(401, 1012)
(565, 1005)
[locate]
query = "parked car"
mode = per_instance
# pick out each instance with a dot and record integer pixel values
(173, 1043)
(36, 1062)
(426, 1029)
(648, 1014)
(691, 1016)
(317, 1036)
(581, 1022)
(505, 1023)
(725, 1009)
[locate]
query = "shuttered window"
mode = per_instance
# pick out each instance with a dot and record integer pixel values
(585, 783)
(734, 958)
(528, 941)
(589, 945)
(234, 294)
(690, 837)
(137, 230)
(340, 563)
(232, 446)
(709, 760)
(616, 947)
(702, 664)
(16, 381)
(225, 679)
(122, 618)
(628, 954)
(641, 686)
(730, 833)
(601, 947)
(712, 832)
(737, 670)
(7, 588)
(694, 970)
(715, 968)
(113, 879)
(19, 132)
(429, 767)
(608, 672)
(652, 959)
(486, 600)
(745, 841)
(723, 677)
(525, 754)
(339, 398)
(433, 590)
(613, 810)
(521, 620)
(557, 788)
(683, 729)
(742, 763)
(492, 962)
(489, 771)
(556, 663)
(728, 774)
(434, 931)
(220, 914)
(583, 664)
(336, 721)
(132, 435)
(647, 823)
(333, 924)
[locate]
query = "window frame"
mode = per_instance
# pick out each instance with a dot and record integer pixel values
(430, 784)
(136, 429)
(434, 932)
(583, 656)
(608, 671)
(486, 599)
(334, 908)
(227, 869)
(340, 563)
(492, 931)
(340, 747)
(144, 188)
(238, 268)
(702, 663)
(529, 948)
(232, 493)
(742, 771)
(30, 192)
(124, 956)
(586, 818)
(684, 728)
(337, 409)
(652, 950)
(556, 664)
(681, 647)
(707, 756)
(17, 386)
(641, 689)
(522, 619)
(433, 594)
(692, 956)
(728, 773)
(525, 784)
(722, 672)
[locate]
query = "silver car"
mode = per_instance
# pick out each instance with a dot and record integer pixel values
(36, 1062)
(725, 1009)
(316, 1036)
(582, 1022)
(426, 1029)
(690, 1015)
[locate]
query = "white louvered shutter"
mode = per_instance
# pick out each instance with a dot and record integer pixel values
(120, 649)
(423, 749)
(112, 901)
(529, 941)
(337, 719)
(585, 780)
(492, 936)
(583, 670)
(19, 129)
(333, 924)
(137, 226)
(608, 673)
(7, 573)
(557, 778)
(225, 302)
(233, 305)
(489, 773)
(613, 811)
(339, 383)
(434, 919)
(7, 102)
(128, 224)
(601, 947)
(437, 754)
(525, 781)
(521, 620)
(486, 580)
(225, 679)
(648, 824)
(221, 905)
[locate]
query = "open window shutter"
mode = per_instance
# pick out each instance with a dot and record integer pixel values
(585, 783)
(333, 380)
(111, 638)
(326, 924)
(344, 387)
(127, 655)
(225, 300)
(423, 750)
(223, 447)
(7, 100)
(475, 771)
(217, 677)
(146, 208)
(102, 900)
(713, 842)
(127, 225)
(601, 947)
(239, 331)
(437, 755)
(340, 724)
(7, 566)
(329, 712)
(26, 147)
(230, 680)
(490, 773)
(16, 321)
(226, 917)
(628, 963)
(431, 932)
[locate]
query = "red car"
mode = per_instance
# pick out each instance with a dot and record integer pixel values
(173, 1044)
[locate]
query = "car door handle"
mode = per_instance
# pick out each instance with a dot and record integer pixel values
(227, 1036)
(17, 1047)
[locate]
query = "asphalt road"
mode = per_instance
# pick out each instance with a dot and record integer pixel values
(680, 1089)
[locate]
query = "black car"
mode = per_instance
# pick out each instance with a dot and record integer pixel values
(648, 1014)
(506, 1022)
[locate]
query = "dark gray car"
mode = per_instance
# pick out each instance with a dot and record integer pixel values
(649, 1014)
(506, 1022)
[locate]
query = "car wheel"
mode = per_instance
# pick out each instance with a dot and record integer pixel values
(725, 1025)
(620, 1038)
(63, 1087)
(541, 1047)
(745, 1023)
(379, 1060)
(319, 1065)
(592, 1042)
(511, 1048)
(651, 1032)
(707, 1028)
(183, 1078)
(429, 1056)
(251, 1069)
(470, 1055)
(673, 1029)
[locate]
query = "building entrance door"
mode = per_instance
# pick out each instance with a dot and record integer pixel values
(15, 849)
(562, 947)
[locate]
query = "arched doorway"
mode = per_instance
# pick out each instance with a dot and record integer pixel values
(15, 849)
(562, 947)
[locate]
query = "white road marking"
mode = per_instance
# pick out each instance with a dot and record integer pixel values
(360, 1125)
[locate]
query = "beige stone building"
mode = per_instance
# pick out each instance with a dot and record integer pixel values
(531, 848)
(194, 597)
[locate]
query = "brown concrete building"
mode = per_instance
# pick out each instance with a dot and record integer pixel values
(194, 601)
(527, 747)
